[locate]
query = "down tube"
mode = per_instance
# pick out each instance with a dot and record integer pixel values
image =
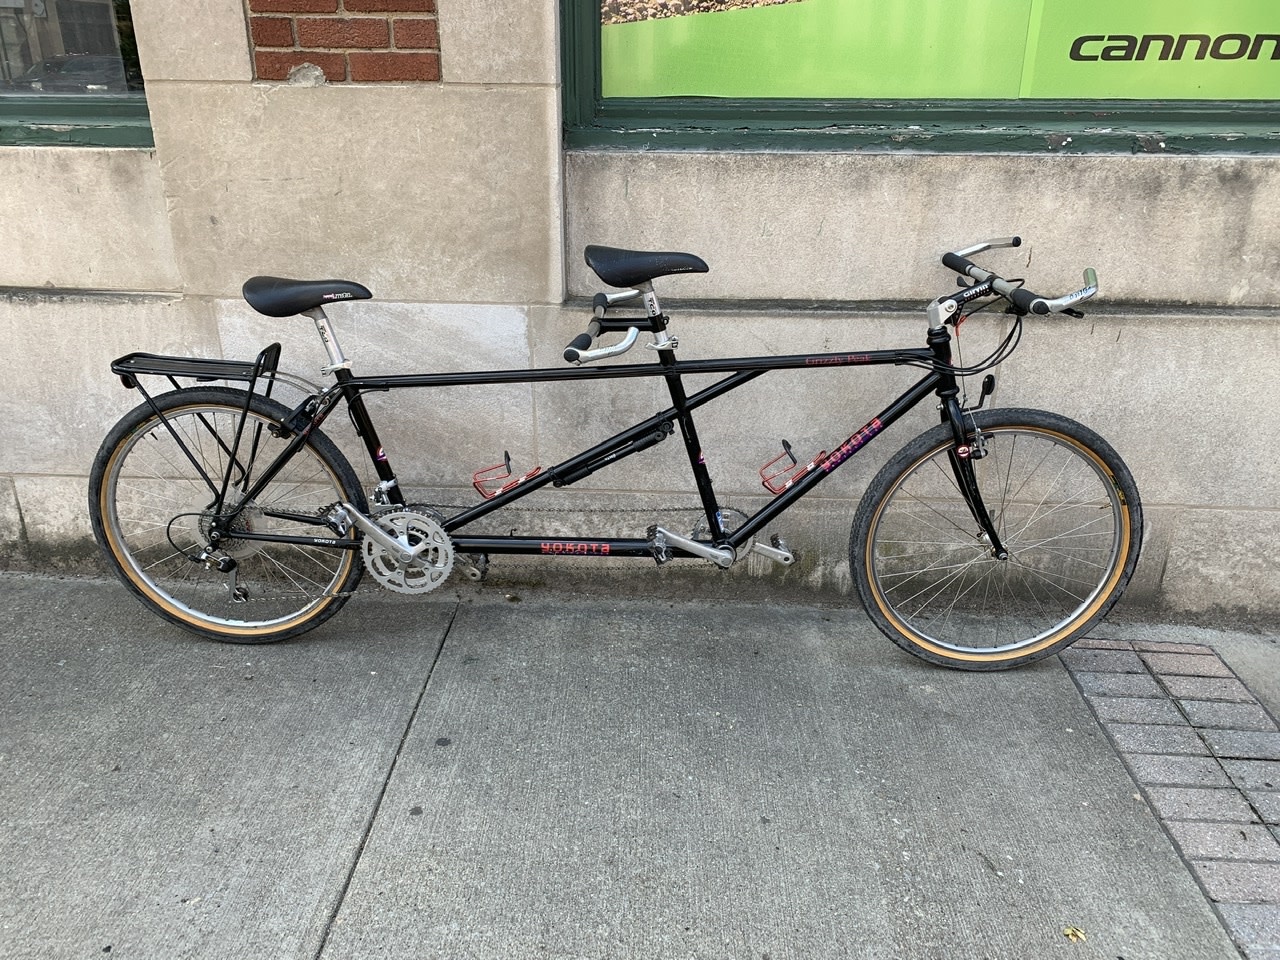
(864, 435)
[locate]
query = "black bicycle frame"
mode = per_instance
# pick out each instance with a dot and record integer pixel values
(740, 371)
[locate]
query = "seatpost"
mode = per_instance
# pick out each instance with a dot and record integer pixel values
(653, 310)
(336, 359)
(651, 306)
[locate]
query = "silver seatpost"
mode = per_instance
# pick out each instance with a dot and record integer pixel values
(330, 340)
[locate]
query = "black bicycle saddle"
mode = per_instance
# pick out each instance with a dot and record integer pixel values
(281, 297)
(627, 268)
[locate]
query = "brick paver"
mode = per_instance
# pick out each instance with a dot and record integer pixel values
(1243, 744)
(1267, 803)
(1232, 881)
(1185, 664)
(1104, 661)
(1255, 926)
(1207, 688)
(1174, 771)
(1228, 716)
(1202, 840)
(1225, 804)
(1157, 738)
(1118, 684)
(1099, 643)
(1207, 756)
(1160, 646)
(1142, 710)
(1254, 774)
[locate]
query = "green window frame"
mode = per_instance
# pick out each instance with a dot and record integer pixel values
(938, 126)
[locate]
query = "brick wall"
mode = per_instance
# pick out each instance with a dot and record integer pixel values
(350, 40)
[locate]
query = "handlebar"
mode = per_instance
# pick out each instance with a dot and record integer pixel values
(578, 349)
(1023, 299)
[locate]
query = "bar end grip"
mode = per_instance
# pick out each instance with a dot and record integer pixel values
(575, 348)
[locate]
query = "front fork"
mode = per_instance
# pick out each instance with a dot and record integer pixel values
(967, 447)
(967, 443)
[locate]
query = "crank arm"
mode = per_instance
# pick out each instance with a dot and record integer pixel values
(776, 554)
(722, 557)
(401, 551)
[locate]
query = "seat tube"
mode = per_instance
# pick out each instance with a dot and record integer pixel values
(388, 485)
(693, 447)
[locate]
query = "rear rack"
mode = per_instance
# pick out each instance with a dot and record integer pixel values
(202, 369)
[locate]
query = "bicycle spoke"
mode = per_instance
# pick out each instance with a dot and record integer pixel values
(1057, 518)
(162, 512)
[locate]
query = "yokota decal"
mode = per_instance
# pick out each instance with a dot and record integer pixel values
(852, 445)
(575, 548)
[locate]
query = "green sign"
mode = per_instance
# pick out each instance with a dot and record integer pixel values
(949, 49)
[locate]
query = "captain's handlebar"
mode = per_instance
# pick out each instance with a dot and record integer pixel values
(1023, 299)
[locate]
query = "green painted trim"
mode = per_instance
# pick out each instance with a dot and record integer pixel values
(97, 120)
(947, 126)
(938, 127)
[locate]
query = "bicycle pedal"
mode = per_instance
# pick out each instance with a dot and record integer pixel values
(779, 552)
(658, 545)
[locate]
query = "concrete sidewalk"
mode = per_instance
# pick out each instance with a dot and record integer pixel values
(565, 778)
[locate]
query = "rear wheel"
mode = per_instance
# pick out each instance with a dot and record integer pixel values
(1063, 504)
(151, 497)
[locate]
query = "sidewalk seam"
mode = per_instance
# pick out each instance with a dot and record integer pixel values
(382, 791)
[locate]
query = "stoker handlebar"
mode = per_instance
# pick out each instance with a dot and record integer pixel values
(579, 348)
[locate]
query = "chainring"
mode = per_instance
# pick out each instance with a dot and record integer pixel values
(416, 526)
(731, 520)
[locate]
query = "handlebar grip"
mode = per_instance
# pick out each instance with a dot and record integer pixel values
(579, 343)
(1028, 302)
(953, 261)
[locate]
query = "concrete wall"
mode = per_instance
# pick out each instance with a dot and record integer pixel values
(1175, 363)
(454, 203)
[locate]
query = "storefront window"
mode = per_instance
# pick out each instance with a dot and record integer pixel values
(67, 46)
(1140, 75)
(69, 73)
(942, 49)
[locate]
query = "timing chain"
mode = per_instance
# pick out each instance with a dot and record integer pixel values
(514, 562)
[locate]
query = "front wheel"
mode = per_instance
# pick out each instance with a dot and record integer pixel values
(1067, 513)
(153, 504)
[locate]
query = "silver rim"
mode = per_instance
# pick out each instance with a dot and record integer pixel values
(1056, 511)
(155, 511)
